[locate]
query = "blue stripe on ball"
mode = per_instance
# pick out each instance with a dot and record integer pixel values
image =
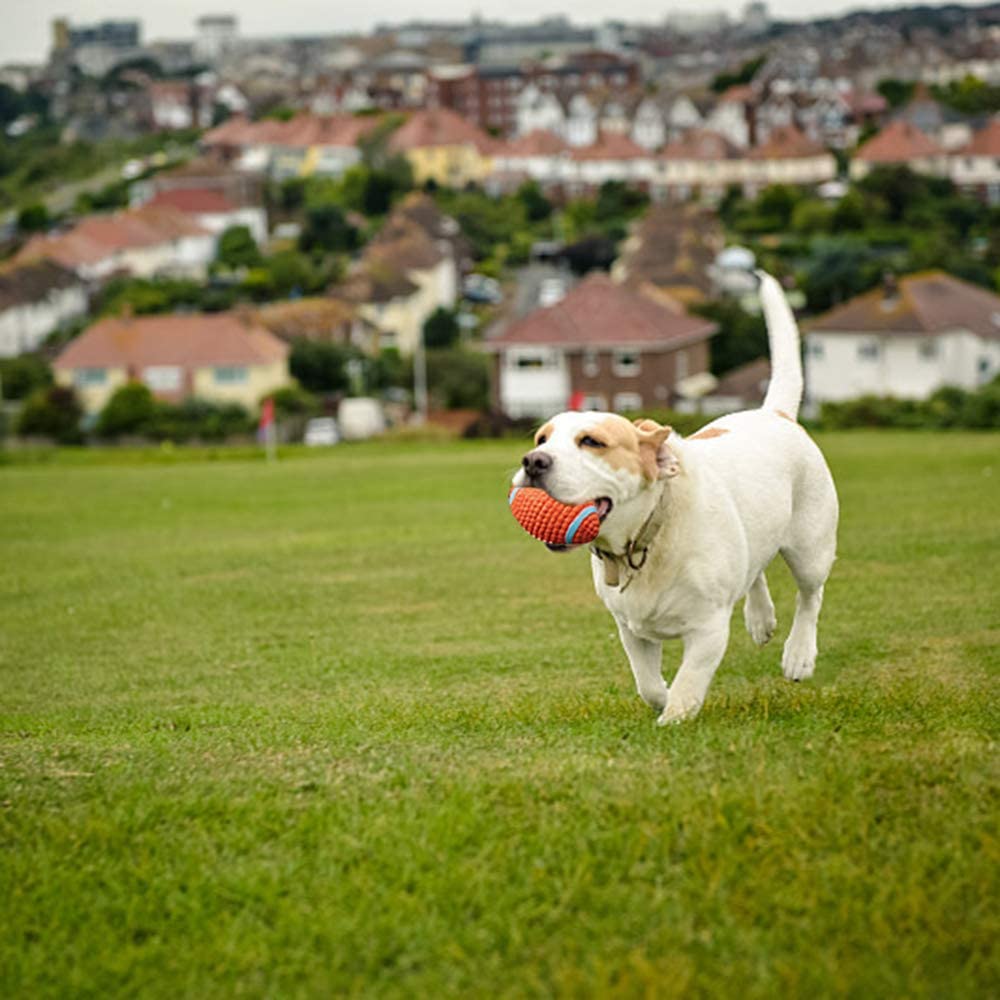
(577, 521)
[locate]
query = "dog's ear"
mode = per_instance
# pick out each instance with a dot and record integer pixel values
(657, 458)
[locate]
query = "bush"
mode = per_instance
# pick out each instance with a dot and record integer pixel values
(458, 380)
(200, 419)
(326, 229)
(130, 411)
(21, 376)
(321, 367)
(53, 413)
(33, 218)
(441, 329)
(237, 249)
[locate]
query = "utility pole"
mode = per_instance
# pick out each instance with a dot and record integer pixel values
(420, 380)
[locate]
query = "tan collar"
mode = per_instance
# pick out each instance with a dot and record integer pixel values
(629, 562)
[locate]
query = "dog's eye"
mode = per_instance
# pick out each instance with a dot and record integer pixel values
(541, 439)
(588, 442)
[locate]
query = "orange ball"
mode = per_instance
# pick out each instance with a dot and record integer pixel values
(550, 521)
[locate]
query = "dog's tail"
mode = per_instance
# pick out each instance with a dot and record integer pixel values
(785, 391)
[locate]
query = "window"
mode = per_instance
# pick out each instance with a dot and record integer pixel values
(625, 363)
(868, 350)
(928, 350)
(627, 402)
(162, 378)
(231, 375)
(591, 364)
(814, 350)
(90, 376)
(595, 402)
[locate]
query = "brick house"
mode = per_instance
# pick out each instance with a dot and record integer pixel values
(602, 347)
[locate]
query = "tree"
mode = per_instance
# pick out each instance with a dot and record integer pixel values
(537, 207)
(130, 410)
(53, 413)
(321, 367)
(741, 337)
(459, 380)
(237, 248)
(744, 74)
(441, 329)
(326, 228)
(896, 92)
(23, 375)
(33, 218)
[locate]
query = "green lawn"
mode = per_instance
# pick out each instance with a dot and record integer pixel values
(339, 726)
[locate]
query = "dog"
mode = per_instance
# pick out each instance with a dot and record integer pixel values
(689, 525)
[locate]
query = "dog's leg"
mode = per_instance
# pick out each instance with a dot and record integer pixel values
(810, 568)
(645, 658)
(758, 612)
(703, 651)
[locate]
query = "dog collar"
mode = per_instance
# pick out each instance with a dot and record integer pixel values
(628, 563)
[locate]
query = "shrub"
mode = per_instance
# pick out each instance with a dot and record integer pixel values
(237, 248)
(321, 367)
(945, 408)
(53, 413)
(21, 376)
(441, 329)
(130, 411)
(458, 380)
(33, 218)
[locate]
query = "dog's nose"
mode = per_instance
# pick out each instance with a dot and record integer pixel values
(536, 463)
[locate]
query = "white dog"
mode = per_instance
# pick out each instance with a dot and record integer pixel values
(690, 524)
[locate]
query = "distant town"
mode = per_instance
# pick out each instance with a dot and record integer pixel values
(477, 224)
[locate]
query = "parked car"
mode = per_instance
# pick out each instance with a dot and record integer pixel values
(320, 432)
(480, 288)
(360, 417)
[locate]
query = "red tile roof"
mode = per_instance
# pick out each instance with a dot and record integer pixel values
(610, 146)
(787, 143)
(984, 142)
(929, 303)
(300, 132)
(540, 142)
(600, 313)
(700, 144)
(439, 127)
(96, 237)
(194, 201)
(898, 142)
(189, 340)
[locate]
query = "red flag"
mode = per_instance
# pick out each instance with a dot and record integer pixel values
(576, 400)
(266, 414)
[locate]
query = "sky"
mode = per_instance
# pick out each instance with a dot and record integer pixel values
(26, 32)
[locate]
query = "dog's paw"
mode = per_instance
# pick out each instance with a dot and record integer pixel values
(798, 661)
(678, 710)
(761, 624)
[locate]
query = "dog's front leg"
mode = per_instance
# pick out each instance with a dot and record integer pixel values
(703, 651)
(645, 658)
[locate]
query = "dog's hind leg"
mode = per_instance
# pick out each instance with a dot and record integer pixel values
(645, 658)
(810, 565)
(758, 612)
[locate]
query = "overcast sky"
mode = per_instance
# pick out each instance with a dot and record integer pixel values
(25, 23)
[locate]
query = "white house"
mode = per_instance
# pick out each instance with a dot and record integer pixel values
(905, 339)
(649, 126)
(213, 211)
(581, 122)
(976, 168)
(731, 116)
(36, 298)
(539, 110)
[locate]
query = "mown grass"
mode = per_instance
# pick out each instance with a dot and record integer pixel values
(339, 727)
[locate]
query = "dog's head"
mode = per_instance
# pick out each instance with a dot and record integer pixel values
(605, 458)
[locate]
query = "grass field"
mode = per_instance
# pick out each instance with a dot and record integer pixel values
(339, 727)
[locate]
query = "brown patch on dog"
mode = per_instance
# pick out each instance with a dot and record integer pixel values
(781, 413)
(545, 431)
(621, 441)
(708, 432)
(651, 436)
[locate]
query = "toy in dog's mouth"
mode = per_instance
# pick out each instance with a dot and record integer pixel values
(559, 525)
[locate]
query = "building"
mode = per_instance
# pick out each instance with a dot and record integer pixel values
(222, 357)
(143, 242)
(899, 144)
(36, 298)
(213, 211)
(976, 168)
(443, 147)
(217, 36)
(906, 339)
(605, 345)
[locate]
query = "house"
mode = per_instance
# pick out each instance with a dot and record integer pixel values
(787, 157)
(702, 162)
(36, 298)
(539, 110)
(612, 157)
(538, 156)
(443, 147)
(213, 211)
(906, 338)
(732, 114)
(976, 167)
(581, 121)
(743, 388)
(606, 344)
(222, 357)
(404, 275)
(899, 144)
(142, 242)
(323, 319)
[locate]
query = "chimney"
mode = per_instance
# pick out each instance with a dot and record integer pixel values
(890, 290)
